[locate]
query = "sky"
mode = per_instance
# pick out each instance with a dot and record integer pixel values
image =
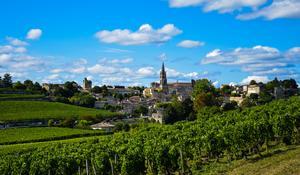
(124, 42)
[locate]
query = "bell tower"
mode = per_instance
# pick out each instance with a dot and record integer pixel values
(163, 79)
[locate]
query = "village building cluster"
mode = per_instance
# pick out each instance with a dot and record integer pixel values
(127, 100)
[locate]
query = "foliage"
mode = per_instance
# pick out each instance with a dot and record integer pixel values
(25, 135)
(140, 110)
(182, 148)
(83, 99)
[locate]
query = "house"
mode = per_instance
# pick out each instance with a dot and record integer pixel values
(254, 89)
(108, 127)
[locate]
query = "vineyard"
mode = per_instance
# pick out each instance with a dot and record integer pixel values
(184, 148)
(26, 135)
(34, 110)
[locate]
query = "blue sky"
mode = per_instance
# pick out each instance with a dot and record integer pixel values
(123, 42)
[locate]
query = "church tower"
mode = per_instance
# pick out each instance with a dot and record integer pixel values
(163, 79)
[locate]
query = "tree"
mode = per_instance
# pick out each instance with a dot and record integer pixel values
(83, 99)
(253, 82)
(291, 83)
(1, 82)
(7, 81)
(226, 90)
(29, 84)
(272, 84)
(97, 89)
(19, 85)
(204, 94)
(37, 86)
(140, 110)
(70, 88)
(203, 86)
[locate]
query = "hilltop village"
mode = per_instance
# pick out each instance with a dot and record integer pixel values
(144, 102)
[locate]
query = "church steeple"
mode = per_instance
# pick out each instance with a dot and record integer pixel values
(163, 79)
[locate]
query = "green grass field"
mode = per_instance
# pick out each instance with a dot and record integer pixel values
(20, 96)
(33, 110)
(26, 135)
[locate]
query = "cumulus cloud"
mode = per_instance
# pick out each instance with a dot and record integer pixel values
(258, 60)
(222, 6)
(146, 71)
(34, 34)
(16, 42)
(278, 9)
(190, 44)
(53, 76)
(144, 35)
(121, 61)
(258, 8)
(263, 79)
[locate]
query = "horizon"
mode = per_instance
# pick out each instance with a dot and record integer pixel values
(124, 43)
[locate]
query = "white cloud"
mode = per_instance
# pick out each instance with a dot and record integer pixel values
(77, 70)
(55, 71)
(258, 60)
(16, 42)
(121, 61)
(278, 9)
(222, 6)
(34, 34)
(258, 79)
(116, 50)
(53, 77)
(258, 8)
(146, 71)
(185, 3)
(226, 6)
(101, 69)
(216, 83)
(144, 35)
(5, 58)
(190, 44)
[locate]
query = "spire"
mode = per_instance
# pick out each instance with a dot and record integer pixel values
(163, 67)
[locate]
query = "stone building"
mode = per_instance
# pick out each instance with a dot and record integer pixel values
(87, 84)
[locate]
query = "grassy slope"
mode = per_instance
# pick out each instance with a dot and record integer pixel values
(30, 110)
(22, 135)
(285, 162)
(20, 96)
(278, 161)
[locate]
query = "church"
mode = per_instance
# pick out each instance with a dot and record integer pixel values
(182, 90)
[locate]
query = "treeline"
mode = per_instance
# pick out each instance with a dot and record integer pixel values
(184, 147)
(28, 86)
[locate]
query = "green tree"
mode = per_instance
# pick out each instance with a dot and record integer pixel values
(226, 90)
(253, 82)
(1, 82)
(83, 99)
(97, 89)
(272, 84)
(203, 86)
(29, 84)
(19, 85)
(7, 81)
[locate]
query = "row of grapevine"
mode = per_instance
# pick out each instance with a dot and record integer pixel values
(183, 147)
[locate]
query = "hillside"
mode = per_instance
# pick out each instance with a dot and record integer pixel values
(283, 162)
(216, 143)
(34, 110)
